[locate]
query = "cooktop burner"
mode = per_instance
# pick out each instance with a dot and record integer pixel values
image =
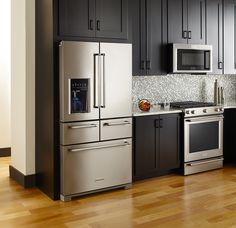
(191, 104)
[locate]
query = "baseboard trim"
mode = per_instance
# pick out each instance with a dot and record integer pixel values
(26, 181)
(5, 152)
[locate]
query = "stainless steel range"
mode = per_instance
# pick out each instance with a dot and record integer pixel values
(203, 136)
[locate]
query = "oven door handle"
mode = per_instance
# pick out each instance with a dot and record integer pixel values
(205, 162)
(205, 119)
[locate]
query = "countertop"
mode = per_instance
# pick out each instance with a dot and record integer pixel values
(230, 105)
(155, 111)
(161, 110)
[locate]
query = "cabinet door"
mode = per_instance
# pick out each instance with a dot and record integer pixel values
(169, 141)
(77, 18)
(196, 21)
(177, 21)
(145, 146)
(214, 35)
(229, 144)
(230, 37)
(112, 19)
(156, 17)
(138, 12)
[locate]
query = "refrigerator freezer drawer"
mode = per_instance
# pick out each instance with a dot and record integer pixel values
(116, 128)
(95, 166)
(79, 132)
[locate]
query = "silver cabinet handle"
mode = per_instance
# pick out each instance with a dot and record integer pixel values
(82, 126)
(103, 86)
(116, 123)
(99, 147)
(205, 162)
(96, 81)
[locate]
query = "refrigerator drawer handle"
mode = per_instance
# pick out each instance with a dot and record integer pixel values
(116, 124)
(99, 147)
(82, 126)
(205, 162)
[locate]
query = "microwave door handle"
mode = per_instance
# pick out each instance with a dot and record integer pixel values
(96, 81)
(207, 60)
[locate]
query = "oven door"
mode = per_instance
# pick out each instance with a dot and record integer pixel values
(203, 137)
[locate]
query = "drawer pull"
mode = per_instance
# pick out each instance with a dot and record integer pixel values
(116, 123)
(99, 147)
(82, 126)
(99, 179)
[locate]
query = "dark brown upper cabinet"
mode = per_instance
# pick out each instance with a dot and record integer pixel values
(93, 18)
(186, 21)
(214, 34)
(230, 37)
(149, 37)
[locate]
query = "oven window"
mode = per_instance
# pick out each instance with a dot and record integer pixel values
(204, 136)
(193, 59)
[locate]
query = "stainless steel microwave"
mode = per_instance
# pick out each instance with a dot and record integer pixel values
(191, 58)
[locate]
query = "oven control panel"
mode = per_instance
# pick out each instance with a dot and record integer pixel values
(191, 112)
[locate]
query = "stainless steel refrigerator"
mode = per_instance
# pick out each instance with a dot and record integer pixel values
(95, 117)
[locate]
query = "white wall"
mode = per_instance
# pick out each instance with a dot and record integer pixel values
(5, 73)
(23, 85)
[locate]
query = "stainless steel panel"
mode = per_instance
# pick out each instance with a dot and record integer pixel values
(79, 132)
(193, 47)
(77, 61)
(94, 166)
(118, 80)
(202, 154)
(115, 129)
(201, 166)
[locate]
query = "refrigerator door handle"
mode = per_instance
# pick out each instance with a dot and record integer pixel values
(96, 81)
(100, 147)
(103, 80)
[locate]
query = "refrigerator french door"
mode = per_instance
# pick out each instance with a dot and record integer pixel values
(95, 116)
(95, 77)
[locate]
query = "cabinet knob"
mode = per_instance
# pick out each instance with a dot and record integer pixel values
(98, 25)
(161, 123)
(220, 65)
(189, 34)
(91, 24)
(143, 65)
(185, 34)
(148, 63)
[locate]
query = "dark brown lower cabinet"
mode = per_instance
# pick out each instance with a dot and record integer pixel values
(229, 145)
(156, 145)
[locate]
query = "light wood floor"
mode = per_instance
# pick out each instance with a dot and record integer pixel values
(202, 200)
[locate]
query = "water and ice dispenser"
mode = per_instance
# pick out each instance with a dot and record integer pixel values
(79, 92)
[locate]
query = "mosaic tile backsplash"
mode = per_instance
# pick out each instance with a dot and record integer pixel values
(182, 87)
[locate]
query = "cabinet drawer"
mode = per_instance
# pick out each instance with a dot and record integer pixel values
(115, 129)
(79, 132)
(94, 166)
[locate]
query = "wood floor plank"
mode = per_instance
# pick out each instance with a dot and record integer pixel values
(202, 200)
